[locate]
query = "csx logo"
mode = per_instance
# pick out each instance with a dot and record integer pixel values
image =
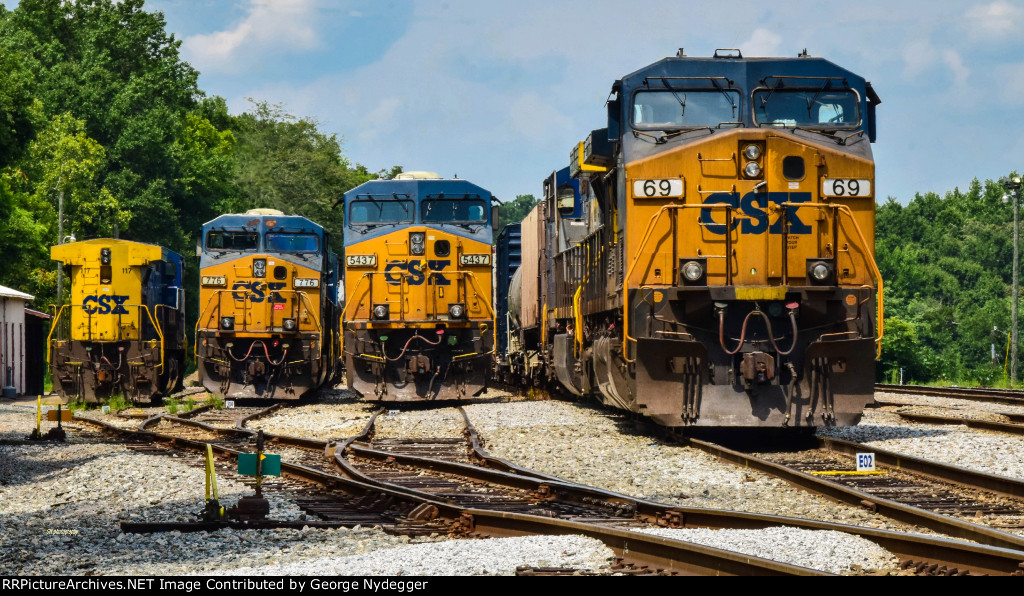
(414, 273)
(105, 305)
(755, 205)
(256, 291)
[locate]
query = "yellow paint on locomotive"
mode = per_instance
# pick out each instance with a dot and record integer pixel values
(662, 230)
(418, 289)
(106, 299)
(258, 304)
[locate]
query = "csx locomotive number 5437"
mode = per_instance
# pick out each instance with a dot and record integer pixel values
(268, 322)
(418, 320)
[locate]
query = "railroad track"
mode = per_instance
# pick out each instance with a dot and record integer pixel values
(400, 509)
(947, 499)
(1002, 396)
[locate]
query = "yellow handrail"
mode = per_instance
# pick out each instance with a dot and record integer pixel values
(636, 259)
(672, 207)
(871, 261)
(49, 336)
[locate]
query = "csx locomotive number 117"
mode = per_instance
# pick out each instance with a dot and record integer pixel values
(709, 256)
(418, 316)
(124, 329)
(268, 311)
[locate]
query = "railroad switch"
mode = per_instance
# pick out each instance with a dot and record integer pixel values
(54, 434)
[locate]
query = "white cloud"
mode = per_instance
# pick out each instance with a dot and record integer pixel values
(956, 64)
(996, 19)
(762, 42)
(270, 27)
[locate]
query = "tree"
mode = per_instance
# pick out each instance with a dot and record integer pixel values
(514, 211)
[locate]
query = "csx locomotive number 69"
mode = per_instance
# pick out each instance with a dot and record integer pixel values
(418, 316)
(268, 322)
(124, 328)
(709, 256)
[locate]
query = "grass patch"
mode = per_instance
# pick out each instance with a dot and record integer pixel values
(216, 401)
(117, 401)
(172, 406)
(190, 404)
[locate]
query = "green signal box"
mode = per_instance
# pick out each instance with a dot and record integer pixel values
(271, 465)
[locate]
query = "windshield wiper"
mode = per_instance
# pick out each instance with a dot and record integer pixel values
(681, 100)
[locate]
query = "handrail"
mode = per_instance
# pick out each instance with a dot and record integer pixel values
(636, 259)
(49, 336)
(626, 338)
(871, 261)
(464, 274)
(149, 315)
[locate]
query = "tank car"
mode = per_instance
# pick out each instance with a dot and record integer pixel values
(268, 306)
(707, 259)
(124, 328)
(418, 316)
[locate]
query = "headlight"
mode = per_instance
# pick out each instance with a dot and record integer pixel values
(227, 323)
(456, 311)
(752, 170)
(692, 270)
(820, 271)
(104, 256)
(289, 324)
(417, 243)
(752, 152)
(380, 311)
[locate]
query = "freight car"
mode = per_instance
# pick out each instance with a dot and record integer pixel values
(124, 328)
(268, 306)
(707, 259)
(418, 317)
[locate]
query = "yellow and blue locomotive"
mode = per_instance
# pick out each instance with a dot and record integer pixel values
(418, 317)
(707, 259)
(124, 328)
(268, 306)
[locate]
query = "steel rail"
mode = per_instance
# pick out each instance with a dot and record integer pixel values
(1003, 396)
(1004, 427)
(898, 511)
(671, 556)
(1001, 485)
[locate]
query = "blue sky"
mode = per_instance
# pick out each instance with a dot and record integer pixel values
(498, 92)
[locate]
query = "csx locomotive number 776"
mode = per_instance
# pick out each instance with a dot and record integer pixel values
(268, 318)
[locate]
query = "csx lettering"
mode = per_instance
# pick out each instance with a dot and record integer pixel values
(414, 272)
(755, 206)
(256, 291)
(105, 305)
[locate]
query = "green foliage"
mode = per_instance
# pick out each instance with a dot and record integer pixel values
(217, 401)
(172, 405)
(947, 264)
(117, 401)
(514, 211)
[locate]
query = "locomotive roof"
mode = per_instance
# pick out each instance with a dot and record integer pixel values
(290, 223)
(742, 72)
(138, 252)
(419, 187)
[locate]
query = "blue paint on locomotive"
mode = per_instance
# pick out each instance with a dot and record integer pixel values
(403, 203)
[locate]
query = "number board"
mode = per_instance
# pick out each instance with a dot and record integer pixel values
(845, 187)
(307, 282)
(656, 189)
(361, 260)
(865, 462)
(474, 259)
(214, 280)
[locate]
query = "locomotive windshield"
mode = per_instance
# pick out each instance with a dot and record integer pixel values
(684, 108)
(372, 212)
(293, 242)
(813, 108)
(454, 211)
(236, 241)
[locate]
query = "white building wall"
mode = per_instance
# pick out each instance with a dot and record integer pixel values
(12, 343)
